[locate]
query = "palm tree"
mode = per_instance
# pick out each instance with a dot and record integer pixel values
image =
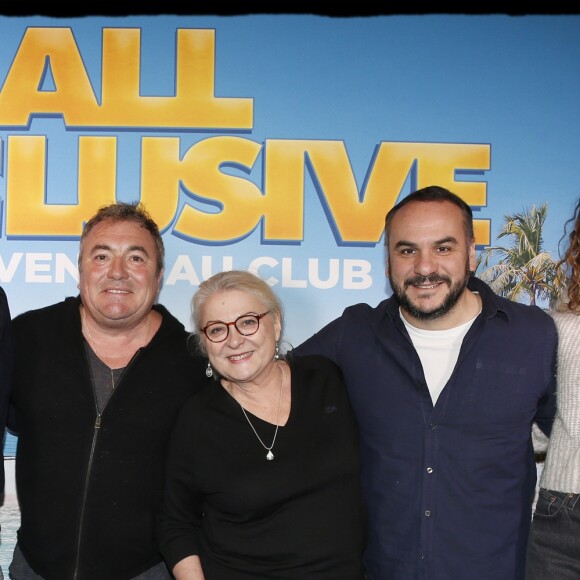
(524, 270)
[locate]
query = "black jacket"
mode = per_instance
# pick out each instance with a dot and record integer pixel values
(6, 355)
(89, 488)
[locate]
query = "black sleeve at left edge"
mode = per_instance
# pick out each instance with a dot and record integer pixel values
(6, 362)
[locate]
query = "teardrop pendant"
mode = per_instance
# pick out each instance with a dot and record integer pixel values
(269, 455)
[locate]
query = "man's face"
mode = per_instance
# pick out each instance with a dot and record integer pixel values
(429, 259)
(118, 278)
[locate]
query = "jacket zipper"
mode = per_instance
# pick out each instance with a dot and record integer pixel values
(96, 428)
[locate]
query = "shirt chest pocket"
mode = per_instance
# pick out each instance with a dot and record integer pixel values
(499, 392)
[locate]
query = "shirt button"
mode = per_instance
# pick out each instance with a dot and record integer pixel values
(432, 425)
(427, 513)
(429, 470)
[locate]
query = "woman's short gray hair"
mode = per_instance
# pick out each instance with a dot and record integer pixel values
(234, 280)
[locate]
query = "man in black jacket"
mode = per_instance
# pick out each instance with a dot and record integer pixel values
(98, 381)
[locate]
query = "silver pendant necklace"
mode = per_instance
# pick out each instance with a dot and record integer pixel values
(269, 455)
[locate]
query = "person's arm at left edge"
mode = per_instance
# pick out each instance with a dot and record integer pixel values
(6, 362)
(547, 405)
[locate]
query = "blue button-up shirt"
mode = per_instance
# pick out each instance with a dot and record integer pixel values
(449, 487)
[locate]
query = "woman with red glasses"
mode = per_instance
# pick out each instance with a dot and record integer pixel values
(263, 470)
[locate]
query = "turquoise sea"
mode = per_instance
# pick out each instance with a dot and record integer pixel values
(10, 521)
(9, 512)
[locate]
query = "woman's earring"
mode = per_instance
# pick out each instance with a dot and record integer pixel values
(277, 353)
(209, 371)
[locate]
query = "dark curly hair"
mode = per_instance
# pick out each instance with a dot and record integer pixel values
(571, 262)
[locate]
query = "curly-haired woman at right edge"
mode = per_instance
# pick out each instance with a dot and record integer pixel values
(554, 545)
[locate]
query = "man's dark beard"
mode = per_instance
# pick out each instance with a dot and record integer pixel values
(447, 305)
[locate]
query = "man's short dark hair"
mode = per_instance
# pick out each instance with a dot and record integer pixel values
(126, 212)
(430, 194)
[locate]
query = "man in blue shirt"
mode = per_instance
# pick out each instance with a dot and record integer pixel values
(446, 379)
